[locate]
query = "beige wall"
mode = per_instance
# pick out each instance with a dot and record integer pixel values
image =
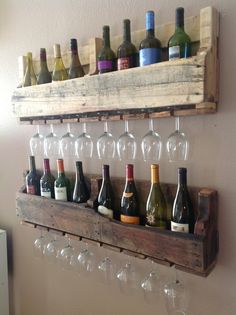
(42, 289)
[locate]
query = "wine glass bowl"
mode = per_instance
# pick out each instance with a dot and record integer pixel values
(106, 270)
(51, 144)
(106, 145)
(67, 144)
(151, 144)
(126, 145)
(37, 143)
(128, 278)
(84, 145)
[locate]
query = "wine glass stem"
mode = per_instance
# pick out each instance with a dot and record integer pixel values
(105, 126)
(51, 128)
(68, 128)
(177, 123)
(37, 128)
(84, 128)
(151, 125)
(126, 126)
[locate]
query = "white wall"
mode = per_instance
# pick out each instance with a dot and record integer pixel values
(41, 289)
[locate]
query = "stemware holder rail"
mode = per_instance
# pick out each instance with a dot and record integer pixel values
(195, 253)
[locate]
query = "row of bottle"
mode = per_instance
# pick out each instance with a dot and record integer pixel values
(182, 217)
(127, 55)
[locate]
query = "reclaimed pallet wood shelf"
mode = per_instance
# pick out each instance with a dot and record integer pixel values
(195, 253)
(182, 87)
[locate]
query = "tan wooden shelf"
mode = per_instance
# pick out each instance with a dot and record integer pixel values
(182, 87)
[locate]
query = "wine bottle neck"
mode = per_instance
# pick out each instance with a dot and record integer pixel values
(60, 167)
(79, 172)
(106, 37)
(32, 164)
(129, 173)
(126, 31)
(46, 166)
(105, 173)
(179, 18)
(150, 23)
(154, 176)
(182, 179)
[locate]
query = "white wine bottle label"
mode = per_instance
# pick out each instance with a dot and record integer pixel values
(60, 193)
(179, 227)
(105, 211)
(174, 52)
(46, 194)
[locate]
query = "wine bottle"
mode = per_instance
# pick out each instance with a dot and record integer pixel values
(129, 201)
(127, 52)
(156, 204)
(81, 193)
(44, 74)
(180, 43)
(32, 178)
(75, 70)
(62, 183)
(106, 196)
(106, 56)
(182, 214)
(150, 47)
(59, 70)
(29, 77)
(47, 181)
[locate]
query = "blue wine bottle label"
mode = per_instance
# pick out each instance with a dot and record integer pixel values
(147, 56)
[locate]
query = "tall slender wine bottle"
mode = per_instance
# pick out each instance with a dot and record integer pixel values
(47, 181)
(81, 193)
(59, 70)
(106, 56)
(179, 44)
(75, 70)
(129, 201)
(29, 77)
(156, 204)
(150, 47)
(32, 178)
(106, 196)
(62, 183)
(127, 52)
(44, 74)
(183, 214)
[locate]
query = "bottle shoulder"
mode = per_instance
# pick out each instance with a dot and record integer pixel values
(106, 53)
(126, 49)
(178, 38)
(150, 42)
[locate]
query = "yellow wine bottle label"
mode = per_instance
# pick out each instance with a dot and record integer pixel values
(128, 194)
(129, 219)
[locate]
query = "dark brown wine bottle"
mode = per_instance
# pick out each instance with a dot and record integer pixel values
(44, 74)
(106, 196)
(81, 192)
(75, 70)
(127, 52)
(129, 201)
(182, 214)
(47, 181)
(106, 56)
(32, 178)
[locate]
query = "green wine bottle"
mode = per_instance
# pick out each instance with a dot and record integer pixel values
(156, 204)
(182, 214)
(179, 44)
(106, 196)
(127, 52)
(32, 178)
(81, 193)
(44, 74)
(75, 70)
(62, 183)
(129, 201)
(59, 71)
(106, 56)
(150, 47)
(47, 181)
(29, 77)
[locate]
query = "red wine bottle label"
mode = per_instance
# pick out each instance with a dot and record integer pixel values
(179, 227)
(60, 193)
(46, 194)
(123, 63)
(105, 65)
(105, 211)
(174, 52)
(128, 194)
(129, 219)
(31, 189)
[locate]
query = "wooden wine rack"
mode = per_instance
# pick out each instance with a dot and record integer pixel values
(195, 253)
(170, 88)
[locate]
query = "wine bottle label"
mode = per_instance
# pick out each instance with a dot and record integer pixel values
(123, 63)
(105, 65)
(128, 194)
(148, 56)
(179, 227)
(60, 193)
(105, 211)
(174, 52)
(129, 219)
(46, 194)
(31, 189)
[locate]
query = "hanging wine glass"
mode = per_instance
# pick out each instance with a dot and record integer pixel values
(106, 145)
(65, 254)
(67, 144)
(126, 145)
(51, 144)
(128, 278)
(84, 145)
(151, 144)
(177, 145)
(53, 247)
(37, 143)
(39, 244)
(86, 261)
(106, 270)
